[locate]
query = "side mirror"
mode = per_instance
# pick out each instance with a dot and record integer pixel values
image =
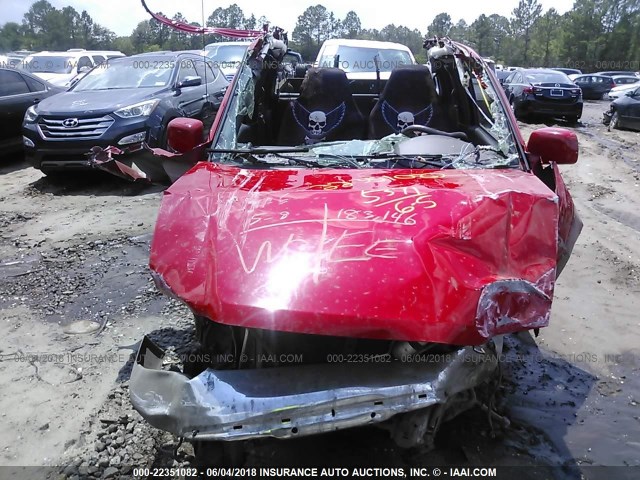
(83, 69)
(184, 134)
(554, 145)
(190, 82)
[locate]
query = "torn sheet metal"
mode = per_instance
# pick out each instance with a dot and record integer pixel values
(298, 400)
(153, 165)
(369, 253)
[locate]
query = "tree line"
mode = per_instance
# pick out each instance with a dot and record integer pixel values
(593, 35)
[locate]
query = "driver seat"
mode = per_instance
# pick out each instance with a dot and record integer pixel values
(408, 98)
(324, 111)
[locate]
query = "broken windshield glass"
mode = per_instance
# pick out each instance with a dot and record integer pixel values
(478, 134)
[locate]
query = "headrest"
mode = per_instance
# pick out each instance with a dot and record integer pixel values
(410, 83)
(329, 84)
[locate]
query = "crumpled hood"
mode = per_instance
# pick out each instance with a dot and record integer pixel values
(94, 101)
(454, 256)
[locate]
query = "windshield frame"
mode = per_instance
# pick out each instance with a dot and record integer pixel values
(245, 80)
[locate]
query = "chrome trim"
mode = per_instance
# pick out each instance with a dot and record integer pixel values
(86, 129)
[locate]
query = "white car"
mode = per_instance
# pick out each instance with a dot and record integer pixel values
(59, 68)
(360, 59)
(619, 91)
(227, 56)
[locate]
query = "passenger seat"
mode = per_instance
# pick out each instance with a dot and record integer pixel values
(409, 98)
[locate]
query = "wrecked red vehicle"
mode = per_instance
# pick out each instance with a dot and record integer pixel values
(353, 251)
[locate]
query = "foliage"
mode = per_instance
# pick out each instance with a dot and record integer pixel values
(593, 35)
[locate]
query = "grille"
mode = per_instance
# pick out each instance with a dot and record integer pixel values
(87, 128)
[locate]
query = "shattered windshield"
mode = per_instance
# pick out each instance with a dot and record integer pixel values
(423, 117)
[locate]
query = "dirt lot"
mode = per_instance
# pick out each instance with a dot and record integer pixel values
(76, 296)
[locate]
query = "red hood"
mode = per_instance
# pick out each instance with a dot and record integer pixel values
(452, 256)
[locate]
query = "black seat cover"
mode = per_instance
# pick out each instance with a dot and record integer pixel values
(324, 111)
(409, 98)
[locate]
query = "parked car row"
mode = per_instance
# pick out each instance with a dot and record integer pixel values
(125, 102)
(554, 93)
(59, 68)
(152, 89)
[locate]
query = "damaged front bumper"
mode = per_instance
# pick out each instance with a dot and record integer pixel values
(152, 165)
(298, 400)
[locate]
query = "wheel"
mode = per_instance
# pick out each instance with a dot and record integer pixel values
(615, 121)
(573, 120)
(516, 111)
(163, 139)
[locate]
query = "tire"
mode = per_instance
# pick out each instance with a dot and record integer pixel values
(573, 120)
(164, 140)
(615, 120)
(512, 104)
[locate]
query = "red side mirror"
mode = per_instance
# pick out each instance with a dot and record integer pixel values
(184, 134)
(554, 145)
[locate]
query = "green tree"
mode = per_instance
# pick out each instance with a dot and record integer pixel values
(71, 22)
(460, 32)
(141, 36)
(481, 34)
(546, 38)
(440, 26)
(314, 26)
(179, 40)
(124, 45)
(11, 37)
(524, 15)
(229, 17)
(500, 32)
(351, 25)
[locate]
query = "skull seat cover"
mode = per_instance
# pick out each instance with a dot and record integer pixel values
(324, 110)
(409, 98)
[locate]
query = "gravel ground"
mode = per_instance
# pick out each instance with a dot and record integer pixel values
(76, 297)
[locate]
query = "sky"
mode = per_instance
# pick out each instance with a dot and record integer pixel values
(122, 16)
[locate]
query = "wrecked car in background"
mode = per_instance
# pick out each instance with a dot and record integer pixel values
(353, 258)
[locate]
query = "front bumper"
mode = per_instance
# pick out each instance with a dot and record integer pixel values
(298, 400)
(74, 152)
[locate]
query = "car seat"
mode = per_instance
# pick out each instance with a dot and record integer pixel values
(324, 111)
(409, 98)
